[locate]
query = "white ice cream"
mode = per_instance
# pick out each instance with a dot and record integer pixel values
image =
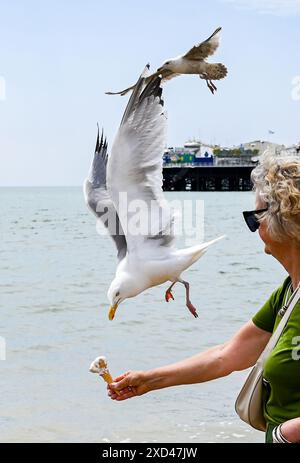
(99, 365)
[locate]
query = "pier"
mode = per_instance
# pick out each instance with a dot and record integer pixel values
(207, 178)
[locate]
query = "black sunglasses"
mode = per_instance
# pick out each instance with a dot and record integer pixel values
(252, 220)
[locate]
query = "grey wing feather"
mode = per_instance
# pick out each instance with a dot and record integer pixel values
(140, 142)
(133, 100)
(122, 92)
(98, 199)
(204, 49)
(97, 174)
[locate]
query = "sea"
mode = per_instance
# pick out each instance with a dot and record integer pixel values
(55, 272)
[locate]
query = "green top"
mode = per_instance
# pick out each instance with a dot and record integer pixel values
(282, 368)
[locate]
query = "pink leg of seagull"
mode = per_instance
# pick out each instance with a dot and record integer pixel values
(213, 85)
(189, 305)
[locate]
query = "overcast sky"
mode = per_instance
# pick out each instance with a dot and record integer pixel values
(58, 57)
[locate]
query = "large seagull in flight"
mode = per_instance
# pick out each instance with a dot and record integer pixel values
(192, 62)
(134, 168)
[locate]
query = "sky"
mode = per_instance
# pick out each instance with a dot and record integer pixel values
(58, 57)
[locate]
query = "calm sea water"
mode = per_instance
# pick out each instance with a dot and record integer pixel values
(55, 271)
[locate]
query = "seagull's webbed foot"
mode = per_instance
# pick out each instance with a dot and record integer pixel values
(189, 305)
(192, 309)
(169, 295)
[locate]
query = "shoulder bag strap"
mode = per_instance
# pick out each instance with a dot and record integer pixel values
(277, 333)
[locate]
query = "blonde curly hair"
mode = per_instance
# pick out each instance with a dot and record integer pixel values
(276, 180)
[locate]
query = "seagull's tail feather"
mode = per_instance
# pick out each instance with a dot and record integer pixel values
(137, 89)
(215, 71)
(195, 252)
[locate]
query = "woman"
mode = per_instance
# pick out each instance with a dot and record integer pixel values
(277, 217)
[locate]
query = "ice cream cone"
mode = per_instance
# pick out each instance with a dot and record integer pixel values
(107, 377)
(99, 365)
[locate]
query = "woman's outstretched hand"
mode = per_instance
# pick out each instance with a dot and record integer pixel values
(128, 385)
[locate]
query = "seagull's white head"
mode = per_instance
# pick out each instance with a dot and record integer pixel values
(167, 65)
(121, 288)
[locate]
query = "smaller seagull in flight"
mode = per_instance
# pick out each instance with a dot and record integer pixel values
(193, 62)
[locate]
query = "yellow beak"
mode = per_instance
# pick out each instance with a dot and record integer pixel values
(112, 311)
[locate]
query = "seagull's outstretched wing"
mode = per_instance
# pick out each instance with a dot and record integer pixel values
(98, 199)
(134, 172)
(206, 48)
